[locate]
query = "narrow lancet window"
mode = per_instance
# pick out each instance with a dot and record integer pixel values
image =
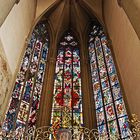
(24, 103)
(111, 113)
(67, 100)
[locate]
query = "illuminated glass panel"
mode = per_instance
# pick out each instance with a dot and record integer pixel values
(110, 109)
(67, 84)
(24, 103)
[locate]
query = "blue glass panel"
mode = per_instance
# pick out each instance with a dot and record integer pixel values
(100, 116)
(124, 127)
(106, 87)
(27, 92)
(116, 91)
(98, 100)
(102, 130)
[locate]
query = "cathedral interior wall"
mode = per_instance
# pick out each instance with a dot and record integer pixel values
(5, 81)
(132, 9)
(42, 5)
(15, 30)
(13, 34)
(96, 6)
(126, 46)
(5, 7)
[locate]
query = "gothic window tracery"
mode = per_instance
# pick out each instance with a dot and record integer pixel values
(111, 114)
(67, 104)
(67, 100)
(24, 103)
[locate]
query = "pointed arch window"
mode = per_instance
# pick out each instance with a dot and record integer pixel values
(67, 107)
(67, 100)
(111, 114)
(24, 103)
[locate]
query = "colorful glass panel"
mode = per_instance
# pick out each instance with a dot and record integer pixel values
(67, 100)
(110, 108)
(24, 103)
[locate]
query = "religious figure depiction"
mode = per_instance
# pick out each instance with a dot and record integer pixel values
(64, 134)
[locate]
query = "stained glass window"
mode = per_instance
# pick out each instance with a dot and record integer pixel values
(24, 103)
(110, 109)
(67, 96)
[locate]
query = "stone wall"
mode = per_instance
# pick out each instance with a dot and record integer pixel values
(5, 82)
(13, 34)
(15, 30)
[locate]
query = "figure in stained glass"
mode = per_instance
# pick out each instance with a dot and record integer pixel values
(26, 94)
(109, 104)
(67, 84)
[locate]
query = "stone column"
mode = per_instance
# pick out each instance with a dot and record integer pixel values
(88, 101)
(44, 115)
(5, 8)
(132, 10)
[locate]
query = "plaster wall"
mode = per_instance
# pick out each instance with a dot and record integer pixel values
(5, 82)
(126, 46)
(132, 9)
(96, 6)
(15, 30)
(5, 7)
(42, 5)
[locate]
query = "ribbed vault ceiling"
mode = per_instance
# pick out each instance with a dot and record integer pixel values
(75, 14)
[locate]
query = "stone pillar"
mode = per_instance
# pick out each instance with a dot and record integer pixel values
(132, 10)
(44, 114)
(88, 100)
(5, 8)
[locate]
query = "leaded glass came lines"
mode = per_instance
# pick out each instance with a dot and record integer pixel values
(67, 84)
(24, 103)
(110, 109)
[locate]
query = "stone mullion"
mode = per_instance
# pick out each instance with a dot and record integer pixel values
(44, 115)
(90, 86)
(86, 90)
